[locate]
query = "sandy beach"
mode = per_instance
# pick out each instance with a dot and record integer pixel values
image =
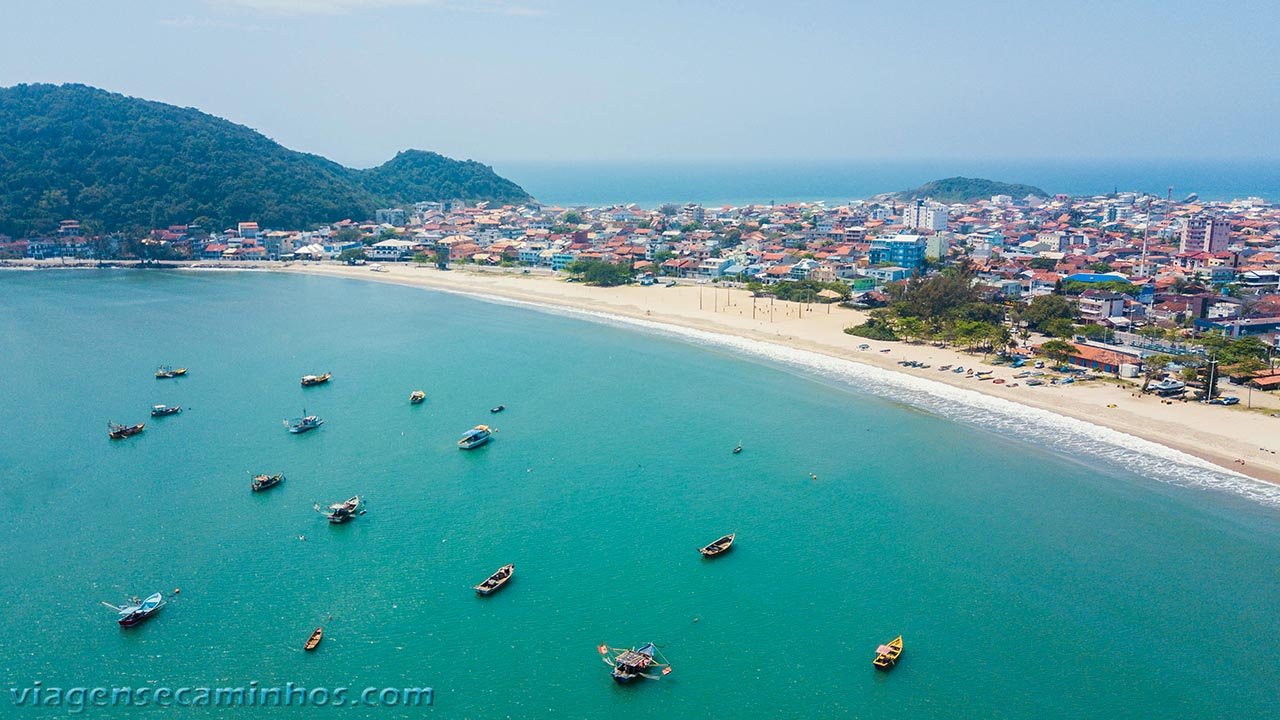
(1221, 435)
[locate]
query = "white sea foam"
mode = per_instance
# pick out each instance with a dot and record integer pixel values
(1068, 436)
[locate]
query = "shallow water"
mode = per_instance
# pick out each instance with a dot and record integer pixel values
(1030, 578)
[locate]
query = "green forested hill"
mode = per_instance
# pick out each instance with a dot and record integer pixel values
(120, 163)
(963, 189)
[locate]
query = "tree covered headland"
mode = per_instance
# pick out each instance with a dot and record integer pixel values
(117, 163)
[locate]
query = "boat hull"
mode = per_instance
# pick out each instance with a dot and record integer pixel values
(474, 443)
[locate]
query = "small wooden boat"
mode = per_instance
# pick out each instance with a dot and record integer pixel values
(165, 410)
(719, 547)
(313, 642)
(998, 381)
(631, 663)
(263, 482)
(309, 380)
(496, 580)
(164, 371)
(416, 397)
(887, 655)
(137, 609)
(497, 408)
(341, 512)
(944, 368)
(119, 432)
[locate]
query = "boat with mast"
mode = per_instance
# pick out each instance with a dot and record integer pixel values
(117, 431)
(309, 380)
(719, 547)
(165, 410)
(137, 610)
(304, 423)
(264, 482)
(887, 655)
(631, 663)
(166, 371)
(495, 581)
(341, 512)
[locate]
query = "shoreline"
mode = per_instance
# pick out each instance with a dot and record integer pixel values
(732, 313)
(728, 312)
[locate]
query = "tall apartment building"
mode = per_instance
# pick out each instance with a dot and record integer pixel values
(919, 215)
(1205, 233)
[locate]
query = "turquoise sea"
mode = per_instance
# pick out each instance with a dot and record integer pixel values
(650, 184)
(1030, 576)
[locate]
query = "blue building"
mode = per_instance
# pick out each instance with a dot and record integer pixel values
(906, 251)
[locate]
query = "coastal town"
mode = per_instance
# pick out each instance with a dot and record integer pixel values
(1127, 284)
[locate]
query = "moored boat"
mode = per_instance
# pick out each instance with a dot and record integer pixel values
(309, 380)
(495, 581)
(304, 423)
(262, 482)
(138, 610)
(314, 641)
(165, 371)
(341, 512)
(118, 432)
(737, 448)
(416, 397)
(475, 437)
(497, 408)
(719, 547)
(887, 655)
(163, 410)
(631, 663)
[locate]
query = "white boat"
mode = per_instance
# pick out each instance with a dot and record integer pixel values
(475, 437)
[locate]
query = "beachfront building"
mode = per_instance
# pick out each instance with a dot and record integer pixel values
(390, 249)
(1100, 306)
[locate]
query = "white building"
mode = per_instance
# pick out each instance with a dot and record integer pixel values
(924, 216)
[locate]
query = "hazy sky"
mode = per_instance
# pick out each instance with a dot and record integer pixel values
(495, 80)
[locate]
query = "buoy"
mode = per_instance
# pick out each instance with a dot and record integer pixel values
(177, 591)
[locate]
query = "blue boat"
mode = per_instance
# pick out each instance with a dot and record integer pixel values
(138, 610)
(475, 437)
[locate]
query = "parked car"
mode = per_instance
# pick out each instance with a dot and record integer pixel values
(1225, 400)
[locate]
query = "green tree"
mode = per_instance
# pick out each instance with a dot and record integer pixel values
(1058, 350)
(1058, 327)
(351, 255)
(599, 272)
(1046, 308)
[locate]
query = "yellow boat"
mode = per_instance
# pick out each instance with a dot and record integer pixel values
(887, 655)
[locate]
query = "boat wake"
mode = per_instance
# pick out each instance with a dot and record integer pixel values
(1066, 436)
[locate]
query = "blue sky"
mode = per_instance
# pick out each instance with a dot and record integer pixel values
(570, 80)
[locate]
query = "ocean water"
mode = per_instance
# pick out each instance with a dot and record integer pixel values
(1033, 573)
(835, 181)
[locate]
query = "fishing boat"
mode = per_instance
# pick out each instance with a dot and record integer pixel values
(631, 663)
(737, 448)
(313, 642)
(497, 408)
(719, 547)
(263, 482)
(887, 655)
(163, 410)
(416, 397)
(137, 610)
(944, 368)
(475, 437)
(309, 380)
(495, 581)
(164, 372)
(118, 432)
(304, 423)
(998, 381)
(341, 512)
